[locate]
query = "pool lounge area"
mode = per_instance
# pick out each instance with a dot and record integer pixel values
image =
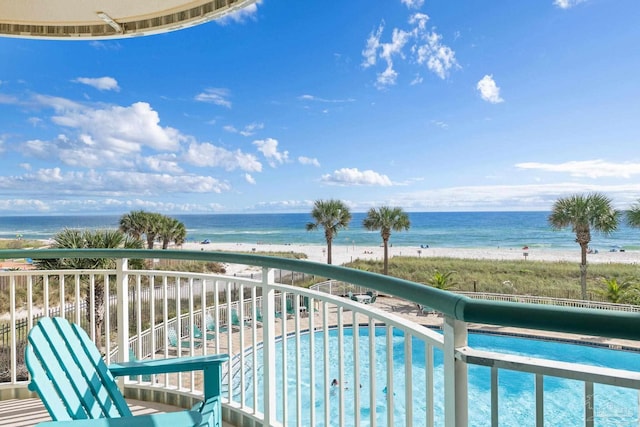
(247, 317)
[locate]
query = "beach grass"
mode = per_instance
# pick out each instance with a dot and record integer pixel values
(279, 254)
(540, 278)
(21, 244)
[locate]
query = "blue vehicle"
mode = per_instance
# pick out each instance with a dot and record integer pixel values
(205, 242)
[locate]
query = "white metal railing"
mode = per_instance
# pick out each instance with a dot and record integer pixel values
(560, 302)
(335, 287)
(275, 376)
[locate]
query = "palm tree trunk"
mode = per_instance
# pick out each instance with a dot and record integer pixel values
(99, 309)
(329, 241)
(583, 270)
(386, 256)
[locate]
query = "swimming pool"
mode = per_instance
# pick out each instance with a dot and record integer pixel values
(563, 399)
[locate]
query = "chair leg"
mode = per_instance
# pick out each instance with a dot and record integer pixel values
(211, 411)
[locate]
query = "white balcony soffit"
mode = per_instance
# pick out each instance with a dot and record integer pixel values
(102, 19)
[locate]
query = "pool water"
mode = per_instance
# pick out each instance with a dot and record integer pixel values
(563, 399)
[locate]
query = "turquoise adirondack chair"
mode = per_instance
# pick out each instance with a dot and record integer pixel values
(259, 318)
(133, 358)
(198, 334)
(306, 303)
(235, 319)
(172, 337)
(79, 390)
(211, 324)
(290, 311)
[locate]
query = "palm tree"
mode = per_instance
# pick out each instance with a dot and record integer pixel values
(332, 215)
(139, 223)
(633, 215)
(583, 213)
(442, 281)
(134, 223)
(91, 239)
(616, 292)
(171, 230)
(386, 219)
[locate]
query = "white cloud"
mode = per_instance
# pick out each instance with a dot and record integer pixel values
(308, 161)
(488, 89)
(269, 148)
(249, 178)
(567, 4)
(158, 184)
(57, 103)
(217, 96)
(413, 4)
(417, 80)
(123, 130)
(285, 205)
(38, 148)
(54, 181)
(163, 163)
(101, 45)
(248, 130)
(209, 155)
(100, 83)
(587, 168)
(509, 197)
(23, 205)
(241, 15)
(426, 49)
(353, 176)
(251, 129)
(370, 52)
(118, 139)
(440, 124)
(388, 51)
(438, 57)
(34, 121)
(8, 99)
(318, 99)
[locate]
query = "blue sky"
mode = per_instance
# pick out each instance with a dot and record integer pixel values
(427, 105)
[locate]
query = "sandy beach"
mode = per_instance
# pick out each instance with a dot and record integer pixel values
(347, 253)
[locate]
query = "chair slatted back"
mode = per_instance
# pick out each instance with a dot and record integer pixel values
(172, 337)
(69, 374)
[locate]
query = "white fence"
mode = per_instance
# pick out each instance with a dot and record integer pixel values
(280, 373)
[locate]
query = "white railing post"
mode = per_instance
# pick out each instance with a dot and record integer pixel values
(122, 297)
(455, 374)
(269, 346)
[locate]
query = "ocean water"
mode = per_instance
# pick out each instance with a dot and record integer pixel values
(436, 229)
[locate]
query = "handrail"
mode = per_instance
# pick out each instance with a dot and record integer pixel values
(558, 302)
(522, 315)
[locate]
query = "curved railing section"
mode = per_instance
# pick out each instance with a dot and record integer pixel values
(289, 344)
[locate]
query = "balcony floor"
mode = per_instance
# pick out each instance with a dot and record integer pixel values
(29, 412)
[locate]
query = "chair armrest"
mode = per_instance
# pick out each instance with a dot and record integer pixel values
(174, 419)
(166, 366)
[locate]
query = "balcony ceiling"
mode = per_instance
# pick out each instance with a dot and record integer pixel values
(106, 19)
